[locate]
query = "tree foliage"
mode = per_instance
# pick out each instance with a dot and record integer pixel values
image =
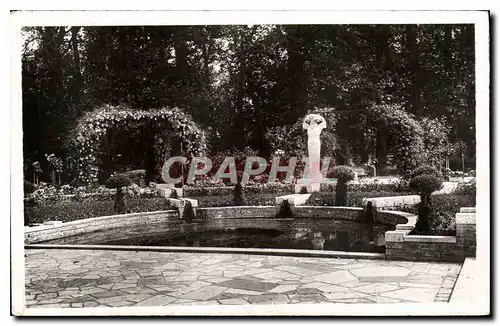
(250, 85)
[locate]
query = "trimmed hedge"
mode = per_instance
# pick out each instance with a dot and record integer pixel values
(77, 210)
(192, 191)
(354, 198)
(228, 200)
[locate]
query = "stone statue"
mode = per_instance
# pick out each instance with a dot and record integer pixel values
(314, 124)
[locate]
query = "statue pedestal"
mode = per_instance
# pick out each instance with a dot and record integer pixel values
(311, 185)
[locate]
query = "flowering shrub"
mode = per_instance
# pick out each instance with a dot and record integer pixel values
(67, 189)
(194, 191)
(55, 163)
(44, 194)
(376, 185)
(149, 192)
(466, 188)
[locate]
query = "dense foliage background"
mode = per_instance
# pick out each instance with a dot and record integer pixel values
(239, 83)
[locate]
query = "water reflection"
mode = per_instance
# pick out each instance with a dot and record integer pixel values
(312, 234)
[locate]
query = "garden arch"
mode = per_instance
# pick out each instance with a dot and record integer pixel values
(93, 127)
(406, 135)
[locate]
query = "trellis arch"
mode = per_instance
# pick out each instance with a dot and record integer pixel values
(86, 138)
(405, 131)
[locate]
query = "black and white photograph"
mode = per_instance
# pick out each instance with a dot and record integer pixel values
(266, 163)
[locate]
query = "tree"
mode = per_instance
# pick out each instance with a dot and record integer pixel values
(118, 182)
(425, 180)
(343, 174)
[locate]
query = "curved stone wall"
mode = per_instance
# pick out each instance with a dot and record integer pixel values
(403, 221)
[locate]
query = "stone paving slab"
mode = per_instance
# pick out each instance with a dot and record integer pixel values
(104, 278)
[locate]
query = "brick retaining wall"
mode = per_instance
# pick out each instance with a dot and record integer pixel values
(400, 245)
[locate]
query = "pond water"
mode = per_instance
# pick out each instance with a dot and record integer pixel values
(313, 234)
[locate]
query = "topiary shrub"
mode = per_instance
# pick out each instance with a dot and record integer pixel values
(285, 210)
(425, 170)
(425, 185)
(173, 194)
(343, 174)
(119, 181)
(238, 199)
(136, 176)
(188, 212)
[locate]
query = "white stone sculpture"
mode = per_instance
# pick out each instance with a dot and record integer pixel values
(314, 124)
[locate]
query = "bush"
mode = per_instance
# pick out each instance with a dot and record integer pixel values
(44, 194)
(28, 187)
(174, 195)
(119, 181)
(442, 213)
(343, 174)
(425, 170)
(373, 186)
(77, 210)
(425, 184)
(285, 210)
(228, 200)
(136, 176)
(303, 190)
(466, 188)
(354, 199)
(238, 195)
(188, 212)
(222, 190)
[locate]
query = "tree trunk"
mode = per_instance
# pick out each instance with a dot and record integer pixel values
(414, 68)
(240, 119)
(148, 143)
(424, 210)
(295, 66)
(341, 194)
(381, 147)
(120, 204)
(77, 69)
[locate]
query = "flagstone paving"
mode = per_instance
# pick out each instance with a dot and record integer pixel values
(94, 278)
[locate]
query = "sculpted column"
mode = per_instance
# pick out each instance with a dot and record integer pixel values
(314, 124)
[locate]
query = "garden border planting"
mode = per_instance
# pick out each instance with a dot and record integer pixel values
(400, 245)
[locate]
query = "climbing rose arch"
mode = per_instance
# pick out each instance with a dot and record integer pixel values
(406, 132)
(93, 126)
